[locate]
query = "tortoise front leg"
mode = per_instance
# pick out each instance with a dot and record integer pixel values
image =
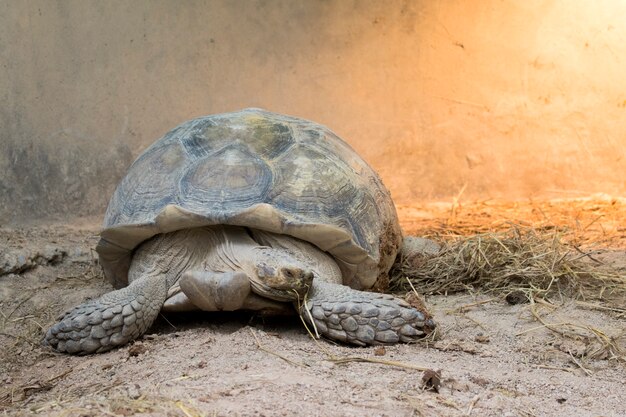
(112, 320)
(363, 318)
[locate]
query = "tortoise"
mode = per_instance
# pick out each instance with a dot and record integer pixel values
(247, 210)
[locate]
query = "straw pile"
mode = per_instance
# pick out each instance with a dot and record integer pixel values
(541, 261)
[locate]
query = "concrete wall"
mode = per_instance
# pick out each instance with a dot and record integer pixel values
(501, 98)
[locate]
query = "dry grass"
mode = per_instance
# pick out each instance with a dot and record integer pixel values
(537, 262)
(597, 221)
(118, 405)
(542, 249)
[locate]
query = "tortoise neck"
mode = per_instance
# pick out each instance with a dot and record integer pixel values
(310, 256)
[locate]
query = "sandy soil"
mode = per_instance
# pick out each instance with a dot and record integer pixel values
(495, 359)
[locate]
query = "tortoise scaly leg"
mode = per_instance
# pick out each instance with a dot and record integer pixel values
(363, 318)
(112, 320)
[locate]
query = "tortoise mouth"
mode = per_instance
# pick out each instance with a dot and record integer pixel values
(284, 284)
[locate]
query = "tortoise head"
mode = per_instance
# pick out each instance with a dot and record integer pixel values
(280, 276)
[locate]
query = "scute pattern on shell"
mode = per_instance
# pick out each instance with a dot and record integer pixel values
(256, 169)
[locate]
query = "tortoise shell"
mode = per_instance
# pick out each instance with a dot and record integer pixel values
(262, 170)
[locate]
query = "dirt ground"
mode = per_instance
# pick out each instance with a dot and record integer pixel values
(495, 358)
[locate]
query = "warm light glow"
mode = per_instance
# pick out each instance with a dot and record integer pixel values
(503, 99)
(445, 99)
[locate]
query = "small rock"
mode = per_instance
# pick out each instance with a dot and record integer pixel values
(431, 380)
(137, 349)
(516, 297)
(380, 351)
(133, 392)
